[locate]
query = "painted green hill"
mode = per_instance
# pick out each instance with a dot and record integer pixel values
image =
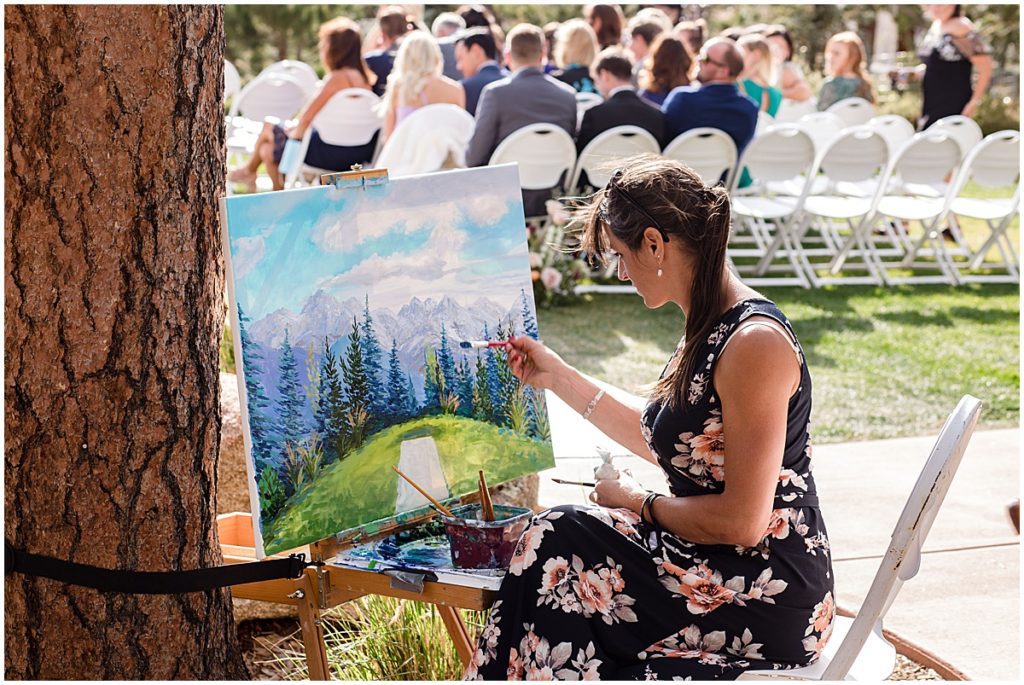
(362, 487)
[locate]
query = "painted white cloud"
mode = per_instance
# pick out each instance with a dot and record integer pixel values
(247, 255)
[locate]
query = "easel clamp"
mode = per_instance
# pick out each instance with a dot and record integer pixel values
(356, 178)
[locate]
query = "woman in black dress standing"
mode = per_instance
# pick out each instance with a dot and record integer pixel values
(949, 52)
(730, 573)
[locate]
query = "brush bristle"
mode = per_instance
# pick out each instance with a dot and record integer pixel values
(465, 345)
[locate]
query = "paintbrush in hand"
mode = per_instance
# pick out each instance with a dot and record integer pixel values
(486, 506)
(437, 505)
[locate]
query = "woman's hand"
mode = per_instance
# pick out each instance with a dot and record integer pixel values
(970, 109)
(533, 363)
(623, 492)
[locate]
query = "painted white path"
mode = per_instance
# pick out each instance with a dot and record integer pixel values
(420, 461)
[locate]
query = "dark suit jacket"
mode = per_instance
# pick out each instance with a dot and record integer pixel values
(526, 97)
(474, 84)
(623, 108)
(380, 63)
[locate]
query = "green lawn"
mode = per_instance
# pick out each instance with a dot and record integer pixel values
(362, 487)
(885, 362)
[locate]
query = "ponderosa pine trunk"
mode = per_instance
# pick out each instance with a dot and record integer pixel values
(114, 304)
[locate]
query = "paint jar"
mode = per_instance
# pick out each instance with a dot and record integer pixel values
(485, 544)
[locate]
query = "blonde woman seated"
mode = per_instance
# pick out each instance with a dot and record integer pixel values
(340, 53)
(416, 80)
(575, 50)
(755, 79)
(847, 75)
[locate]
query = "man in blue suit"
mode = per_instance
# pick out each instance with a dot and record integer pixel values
(716, 102)
(476, 56)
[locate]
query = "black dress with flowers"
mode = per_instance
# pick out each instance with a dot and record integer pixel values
(594, 593)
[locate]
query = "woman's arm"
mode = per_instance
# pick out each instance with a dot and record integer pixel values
(983, 63)
(794, 86)
(389, 120)
(331, 85)
(754, 414)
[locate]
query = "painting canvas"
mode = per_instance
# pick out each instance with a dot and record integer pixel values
(348, 309)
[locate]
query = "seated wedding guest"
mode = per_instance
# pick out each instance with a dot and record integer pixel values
(755, 79)
(477, 58)
(575, 50)
(392, 24)
(527, 96)
(340, 45)
(847, 75)
(641, 37)
(607, 21)
(478, 16)
(445, 28)
(669, 66)
(692, 33)
(621, 106)
(789, 76)
(717, 102)
(416, 80)
(731, 570)
(550, 31)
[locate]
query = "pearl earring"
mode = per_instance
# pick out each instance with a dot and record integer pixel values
(659, 273)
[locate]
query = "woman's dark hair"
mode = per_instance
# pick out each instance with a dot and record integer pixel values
(344, 47)
(475, 15)
(692, 215)
(669, 65)
(780, 31)
(957, 11)
(611, 24)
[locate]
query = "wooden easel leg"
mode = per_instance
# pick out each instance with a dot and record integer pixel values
(457, 629)
(312, 630)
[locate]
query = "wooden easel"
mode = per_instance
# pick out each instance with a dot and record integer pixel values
(317, 590)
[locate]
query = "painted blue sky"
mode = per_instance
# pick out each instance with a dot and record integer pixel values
(458, 234)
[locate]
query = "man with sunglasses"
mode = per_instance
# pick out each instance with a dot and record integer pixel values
(716, 102)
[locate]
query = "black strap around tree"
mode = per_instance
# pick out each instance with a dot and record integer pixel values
(151, 582)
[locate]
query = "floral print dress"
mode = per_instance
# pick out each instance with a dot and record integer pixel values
(595, 594)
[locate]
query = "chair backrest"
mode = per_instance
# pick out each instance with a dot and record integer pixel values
(895, 129)
(431, 138)
(993, 163)
(349, 118)
(544, 153)
(927, 159)
(859, 153)
(708, 151)
(903, 557)
(608, 147)
(780, 153)
(964, 130)
(853, 111)
(585, 101)
(300, 71)
(822, 127)
(272, 95)
(764, 120)
(232, 81)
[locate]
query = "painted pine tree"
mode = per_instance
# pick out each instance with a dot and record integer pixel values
(396, 388)
(508, 384)
(357, 389)
(432, 381)
(529, 320)
(483, 409)
(290, 398)
(464, 375)
(256, 399)
(412, 403)
(373, 360)
(446, 362)
(332, 408)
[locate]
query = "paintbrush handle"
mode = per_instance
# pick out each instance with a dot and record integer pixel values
(440, 507)
(486, 506)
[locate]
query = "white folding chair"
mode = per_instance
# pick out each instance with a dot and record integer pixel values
(599, 156)
(782, 153)
(432, 138)
(710, 152)
(822, 127)
(270, 95)
(790, 111)
(546, 155)
(585, 101)
(348, 119)
(764, 120)
(857, 650)
(853, 167)
(925, 161)
(993, 163)
(304, 74)
(896, 130)
(853, 111)
(964, 130)
(232, 81)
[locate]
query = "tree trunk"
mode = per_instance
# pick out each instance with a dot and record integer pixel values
(114, 305)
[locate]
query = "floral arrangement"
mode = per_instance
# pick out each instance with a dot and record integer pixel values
(555, 272)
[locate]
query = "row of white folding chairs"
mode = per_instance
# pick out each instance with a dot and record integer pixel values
(857, 179)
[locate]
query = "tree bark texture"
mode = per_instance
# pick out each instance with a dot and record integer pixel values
(114, 304)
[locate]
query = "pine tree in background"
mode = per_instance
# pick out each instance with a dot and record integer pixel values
(432, 380)
(508, 384)
(446, 362)
(396, 388)
(483, 410)
(373, 359)
(353, 372)
(464, 376)
(412, 404)
(256, 399)
(291, 398)
(494, 383)
(331, 411)
(529, 320)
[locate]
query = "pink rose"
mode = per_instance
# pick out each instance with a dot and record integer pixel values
(550, 277)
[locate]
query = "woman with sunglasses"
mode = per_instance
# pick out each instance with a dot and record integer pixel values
(731, 571)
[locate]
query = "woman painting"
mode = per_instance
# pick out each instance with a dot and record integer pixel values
(416, 80)
(847, 75)
(340, 45)
(732, 571)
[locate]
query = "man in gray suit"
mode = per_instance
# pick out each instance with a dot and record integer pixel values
(526, 97)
